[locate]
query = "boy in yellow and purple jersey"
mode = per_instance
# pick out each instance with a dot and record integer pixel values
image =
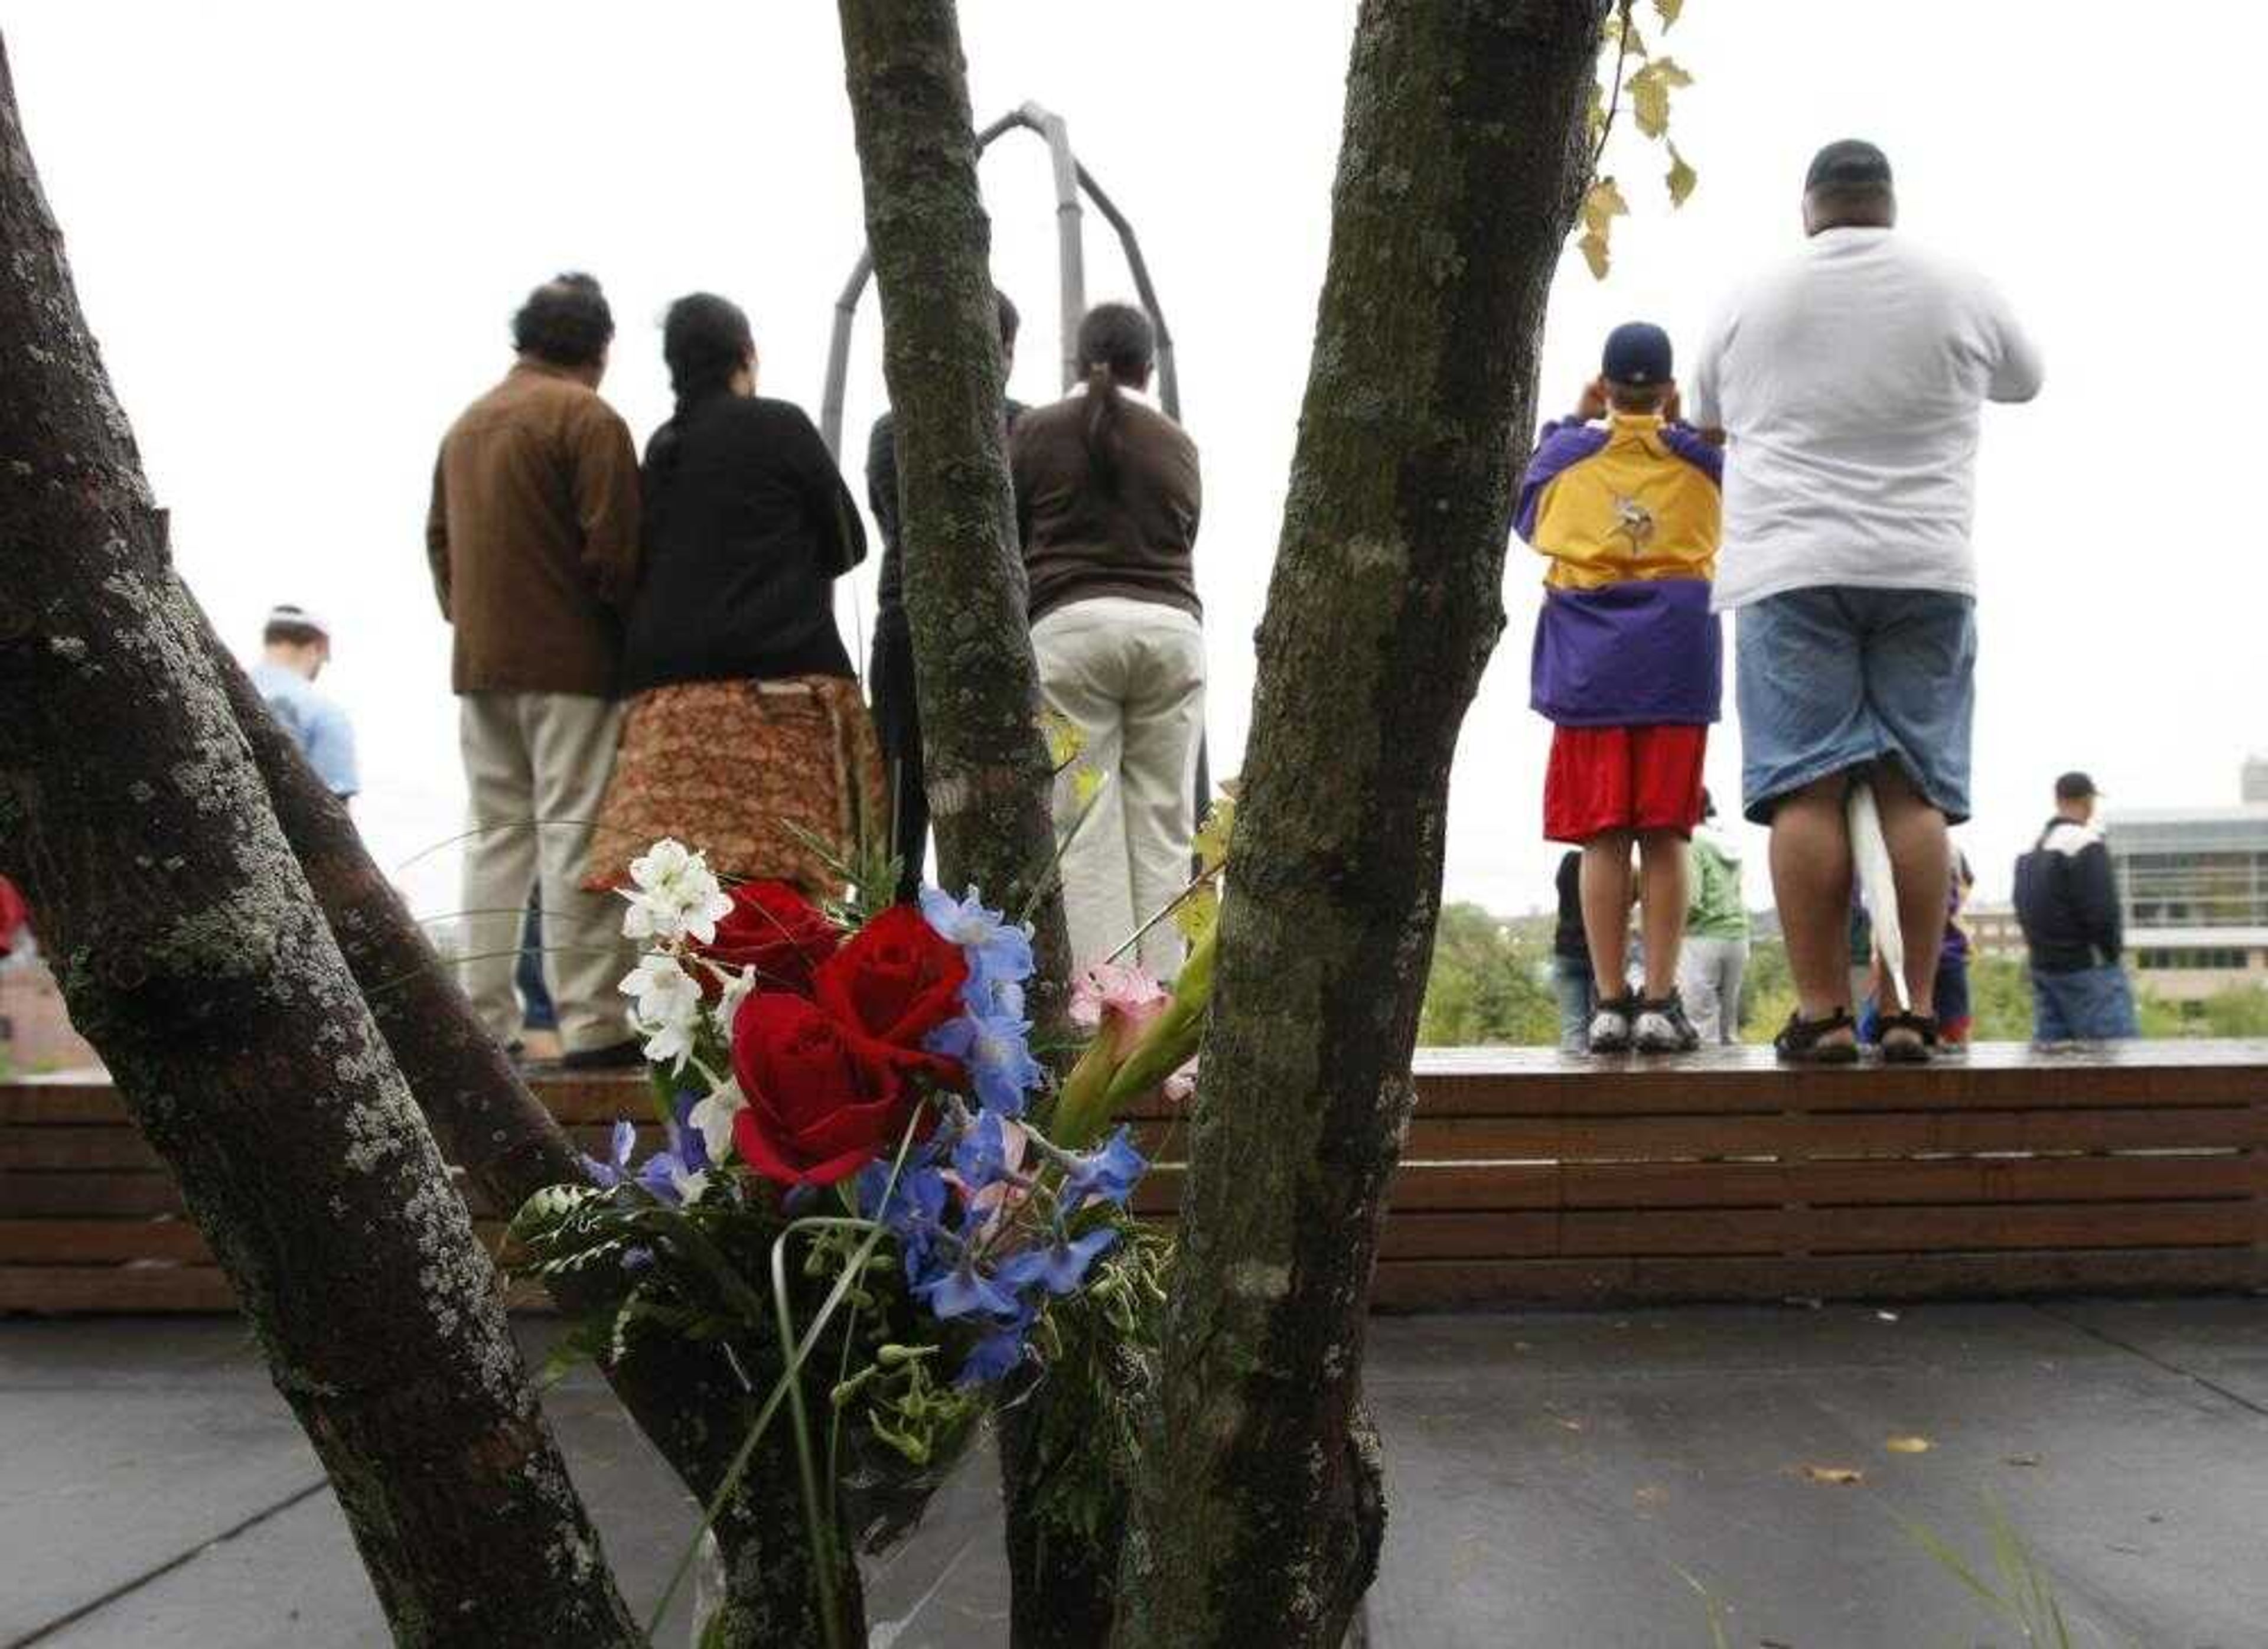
(1628, 665)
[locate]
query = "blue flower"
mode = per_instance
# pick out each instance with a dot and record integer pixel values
(980, 1157)
(914, 1211)
(1058, 1266)
(616, 1168)
(997, 1355)
(999, 951)
(993, 998)
(998, 1051)
(962, 1291)
(1108, 1172)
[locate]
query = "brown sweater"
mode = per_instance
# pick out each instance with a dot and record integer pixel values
(1083, 537)
(534, 536)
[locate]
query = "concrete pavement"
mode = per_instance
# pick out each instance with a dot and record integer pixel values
(1557, 1479)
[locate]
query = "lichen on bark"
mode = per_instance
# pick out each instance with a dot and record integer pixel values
(989, 774)
(1259, 1509)
(193, 958)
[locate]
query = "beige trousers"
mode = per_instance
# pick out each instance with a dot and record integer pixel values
(535, 768)
(1130, 675)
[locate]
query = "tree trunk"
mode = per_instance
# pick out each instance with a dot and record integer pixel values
(989, 776)
(988, 768)
(193, 957)
(684, 1397)
(1259, 1512)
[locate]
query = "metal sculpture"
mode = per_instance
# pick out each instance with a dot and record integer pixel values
(1072, 180)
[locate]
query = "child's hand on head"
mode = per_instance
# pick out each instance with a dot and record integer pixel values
(1592, 404)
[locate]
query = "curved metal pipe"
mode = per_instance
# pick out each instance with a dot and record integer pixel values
(1031, 118)
(1170, 383)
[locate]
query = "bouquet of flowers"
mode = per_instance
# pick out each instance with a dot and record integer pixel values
(868, 1177)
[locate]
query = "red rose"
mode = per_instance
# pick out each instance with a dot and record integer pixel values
(897, 979)
(773, 929)
(822, 1101)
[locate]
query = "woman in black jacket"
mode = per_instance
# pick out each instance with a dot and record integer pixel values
(746, 735)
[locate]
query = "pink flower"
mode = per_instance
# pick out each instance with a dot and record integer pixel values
(1118, 1000)
(1182, 1084)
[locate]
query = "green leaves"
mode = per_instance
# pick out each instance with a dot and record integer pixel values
(1647, 87)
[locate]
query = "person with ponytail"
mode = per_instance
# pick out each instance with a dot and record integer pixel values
(746, 735)
(1108, 497)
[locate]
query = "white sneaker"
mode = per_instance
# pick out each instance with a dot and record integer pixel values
(1610, 1026)
(1661, 1027)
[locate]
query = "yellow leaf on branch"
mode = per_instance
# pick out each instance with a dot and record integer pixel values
(1680, 179)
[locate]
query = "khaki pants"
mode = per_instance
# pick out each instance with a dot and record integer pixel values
(1131, 676)
(536, 767)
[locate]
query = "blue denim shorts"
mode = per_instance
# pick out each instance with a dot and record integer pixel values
(1833, 678)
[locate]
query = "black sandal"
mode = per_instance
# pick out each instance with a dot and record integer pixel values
(1802, 1041)
(1918, 1052)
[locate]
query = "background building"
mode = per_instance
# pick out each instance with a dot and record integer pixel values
(2195, 885)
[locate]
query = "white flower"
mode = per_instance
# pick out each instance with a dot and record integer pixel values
(736, 991)
(667, 1044)
(668, 1009)
(665, 991)
(713, 1117)
(675, 895)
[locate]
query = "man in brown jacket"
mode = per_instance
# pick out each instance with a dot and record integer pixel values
(533, 537)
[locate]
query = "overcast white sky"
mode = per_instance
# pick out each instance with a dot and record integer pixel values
(299, 231)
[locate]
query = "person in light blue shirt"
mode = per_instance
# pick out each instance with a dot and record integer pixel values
(298, 646)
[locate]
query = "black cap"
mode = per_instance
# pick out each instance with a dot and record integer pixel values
(2075, 787)
(1850, 164)
(1638, 352)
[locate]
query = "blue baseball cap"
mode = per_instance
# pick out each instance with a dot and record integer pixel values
(1638, 352)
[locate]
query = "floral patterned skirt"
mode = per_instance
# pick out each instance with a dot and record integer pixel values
(752, 773)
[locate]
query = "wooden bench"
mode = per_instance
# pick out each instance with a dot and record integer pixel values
(1526, 1179)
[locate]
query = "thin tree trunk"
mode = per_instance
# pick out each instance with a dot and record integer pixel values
(1259, 1511)
(193, 957)
(988, 768)
(683, 1395)
(988, 777)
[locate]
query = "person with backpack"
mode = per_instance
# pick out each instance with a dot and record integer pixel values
(2067, 902)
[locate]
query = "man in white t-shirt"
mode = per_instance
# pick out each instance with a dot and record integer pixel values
(1849, 383)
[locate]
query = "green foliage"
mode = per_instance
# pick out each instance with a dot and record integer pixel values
(2235, 1011)
(1628, 68)
(2000, 999)
(1489, 984)
(1100, 1349)
(2019, 1592)
(1767, 992)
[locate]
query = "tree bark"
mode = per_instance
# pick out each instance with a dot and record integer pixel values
(685, 1397)
(1259, 1512)
(989, 776)
(193, 957)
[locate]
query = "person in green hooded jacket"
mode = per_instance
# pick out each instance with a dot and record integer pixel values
(1716, 951)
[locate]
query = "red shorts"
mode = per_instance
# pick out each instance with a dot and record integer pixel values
(1623, 778)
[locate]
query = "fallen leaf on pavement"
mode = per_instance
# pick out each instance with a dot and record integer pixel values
(1834, 1474)
(1908, 1445)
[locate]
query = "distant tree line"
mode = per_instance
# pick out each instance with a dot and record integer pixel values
(1491, 984)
